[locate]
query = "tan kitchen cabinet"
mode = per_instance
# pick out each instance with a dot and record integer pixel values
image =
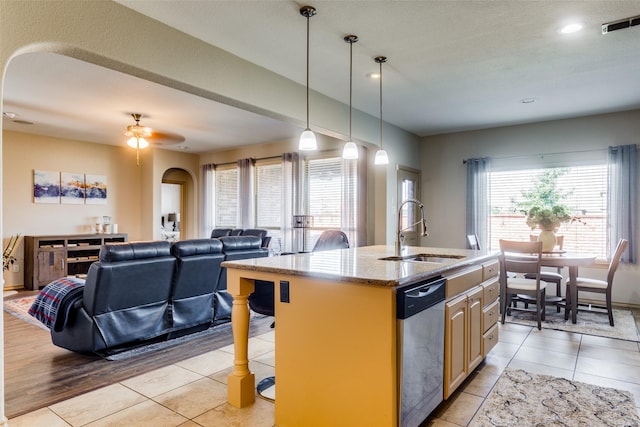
(471, 328)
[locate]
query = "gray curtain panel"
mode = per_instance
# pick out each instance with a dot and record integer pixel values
(208, 179)
(478, 199)
(622, 193)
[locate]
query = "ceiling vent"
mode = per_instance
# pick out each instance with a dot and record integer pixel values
(620, 24)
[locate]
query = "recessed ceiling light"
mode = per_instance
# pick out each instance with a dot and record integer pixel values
(527, 100)
(571, 28)
(9, 115)
(373, 75)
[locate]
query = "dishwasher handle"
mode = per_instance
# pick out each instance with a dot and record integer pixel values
(419, 297)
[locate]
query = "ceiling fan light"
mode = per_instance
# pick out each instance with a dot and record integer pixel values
(133, 143)
(381, 158)
(308, 140)
(137, 130)
(350, 151)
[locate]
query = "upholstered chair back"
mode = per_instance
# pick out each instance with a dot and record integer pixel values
(130, 284)
(195, 281)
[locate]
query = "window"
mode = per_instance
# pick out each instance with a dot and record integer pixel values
(268, 185)
(582, 188)
(226, 197)
(331, 196)
(324, 186)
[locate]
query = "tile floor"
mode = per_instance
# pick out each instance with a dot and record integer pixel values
(193, 392)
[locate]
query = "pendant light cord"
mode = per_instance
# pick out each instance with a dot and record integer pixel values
(350, 85)
(381, 105)
(308, 71)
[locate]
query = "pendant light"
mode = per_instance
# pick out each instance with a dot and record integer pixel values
(350, 150)
(138, 133)
(381, 155)
(307, 138)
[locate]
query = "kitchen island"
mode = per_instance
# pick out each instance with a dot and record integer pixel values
(336, 328)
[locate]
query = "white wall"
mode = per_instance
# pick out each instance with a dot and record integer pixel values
(444, 174)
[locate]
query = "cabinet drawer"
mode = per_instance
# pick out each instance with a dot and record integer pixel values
(463, 281)
(491, 290)
(490, 269)
(490, 339)
(490, 315)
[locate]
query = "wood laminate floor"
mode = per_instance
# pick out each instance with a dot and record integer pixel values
(38, 374)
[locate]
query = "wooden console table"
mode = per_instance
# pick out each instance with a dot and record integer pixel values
(48, 258)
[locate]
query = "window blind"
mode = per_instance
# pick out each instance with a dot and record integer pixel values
(268, 185)
(226, 197)
(584, 190)
(324, 191)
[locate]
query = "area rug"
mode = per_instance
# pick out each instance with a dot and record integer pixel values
(19, 307)
(523, 399)
(589, 323)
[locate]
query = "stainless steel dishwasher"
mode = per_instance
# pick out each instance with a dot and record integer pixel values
(420, 324)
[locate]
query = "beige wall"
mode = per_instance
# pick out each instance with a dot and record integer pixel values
(444, 174)
(23, 153)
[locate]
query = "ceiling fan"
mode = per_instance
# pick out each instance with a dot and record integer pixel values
(142, 136)
(152, 136)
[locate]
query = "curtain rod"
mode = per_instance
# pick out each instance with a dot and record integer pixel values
(252, 158)
(522, 156)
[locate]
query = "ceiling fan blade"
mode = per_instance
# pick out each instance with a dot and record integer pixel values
(165, 138)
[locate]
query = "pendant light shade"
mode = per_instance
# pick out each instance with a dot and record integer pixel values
(307, 138)
(381, 158)
(350, 150)
(381, 155)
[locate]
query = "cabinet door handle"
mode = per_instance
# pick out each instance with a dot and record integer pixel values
(62, 264)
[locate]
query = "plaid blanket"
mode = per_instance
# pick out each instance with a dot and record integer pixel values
(56, 298)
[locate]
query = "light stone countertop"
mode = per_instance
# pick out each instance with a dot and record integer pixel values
(363, 265)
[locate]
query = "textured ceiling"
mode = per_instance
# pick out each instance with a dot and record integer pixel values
(453, 65)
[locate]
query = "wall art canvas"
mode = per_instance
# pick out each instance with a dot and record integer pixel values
(96, 189)
(46, 186)
(72, 188)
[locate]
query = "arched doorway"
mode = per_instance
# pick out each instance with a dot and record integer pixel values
(177, 201)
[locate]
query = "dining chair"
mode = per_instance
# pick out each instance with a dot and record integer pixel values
(585, 284)
(472, 241)
(519, 258)
(550, 276)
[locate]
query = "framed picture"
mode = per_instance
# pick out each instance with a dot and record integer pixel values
(46, 186)
(72, 188)
(96, 189)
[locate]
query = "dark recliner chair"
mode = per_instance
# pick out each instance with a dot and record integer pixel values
(234, 248)
(260, 232)
(194, 283)
(125, 298)
(220, 232)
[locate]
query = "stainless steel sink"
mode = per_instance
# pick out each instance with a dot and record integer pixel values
(426, 258)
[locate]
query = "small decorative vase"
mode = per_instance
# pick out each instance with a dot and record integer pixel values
(548, 239)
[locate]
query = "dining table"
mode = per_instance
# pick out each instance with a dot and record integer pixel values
(572, 261)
